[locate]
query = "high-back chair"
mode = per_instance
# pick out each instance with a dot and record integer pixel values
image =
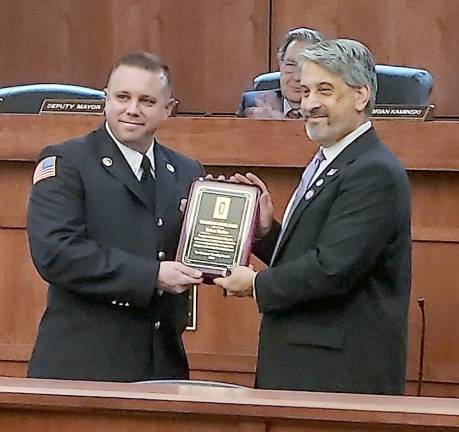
(28, 99)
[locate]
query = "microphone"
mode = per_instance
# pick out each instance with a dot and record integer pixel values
(421, 303)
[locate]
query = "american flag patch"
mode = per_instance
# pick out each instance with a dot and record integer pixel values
(45, 168)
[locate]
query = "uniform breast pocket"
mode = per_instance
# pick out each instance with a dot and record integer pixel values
(316, 335)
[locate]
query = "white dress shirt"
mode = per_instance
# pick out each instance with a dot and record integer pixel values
(133, 157)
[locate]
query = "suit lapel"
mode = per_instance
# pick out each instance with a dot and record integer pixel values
(331, 173)
(166, 179)
(113, 161)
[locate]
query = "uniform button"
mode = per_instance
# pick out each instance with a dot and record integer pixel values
(157, 325)
(162, 255)
(160, 292)
(160, 222)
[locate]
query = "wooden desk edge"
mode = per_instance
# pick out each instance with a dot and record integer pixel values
(23, 393)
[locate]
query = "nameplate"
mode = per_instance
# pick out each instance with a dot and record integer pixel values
(398, 112)
(72, 106)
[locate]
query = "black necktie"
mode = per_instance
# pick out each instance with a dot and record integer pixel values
(147, 181)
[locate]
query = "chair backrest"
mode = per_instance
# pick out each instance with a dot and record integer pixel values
(28, 99)
(396, 84)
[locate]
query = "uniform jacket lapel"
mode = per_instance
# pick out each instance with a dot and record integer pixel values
(331, 173)
(113, 161)
(166, 179)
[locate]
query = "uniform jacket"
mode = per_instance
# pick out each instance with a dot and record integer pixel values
(95, 236)
(335, 300)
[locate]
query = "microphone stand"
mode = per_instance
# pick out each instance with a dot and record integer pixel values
(421, 303)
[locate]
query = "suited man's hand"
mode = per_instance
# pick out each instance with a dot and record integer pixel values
(239, 283)
(175, 277)
(266, 203)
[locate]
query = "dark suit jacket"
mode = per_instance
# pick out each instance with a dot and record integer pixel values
(95, 237)
(249, 100)
(335, 300)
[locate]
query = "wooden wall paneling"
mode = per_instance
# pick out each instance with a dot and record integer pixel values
(15, 182)
(63, 41)
(211, 46)
(435, 226)
(433, 389)
(241, 142)
(420, 33)
(22, 297)
(12, 368)
(22, 292)
(244, 379)
(436, 281)
(226, 337)
(435, 197)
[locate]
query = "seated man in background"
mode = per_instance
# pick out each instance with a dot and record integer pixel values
(284, 102)
(103, 224)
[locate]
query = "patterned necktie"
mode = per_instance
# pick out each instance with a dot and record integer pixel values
(294, 114)
(147, 181)
(308, 175)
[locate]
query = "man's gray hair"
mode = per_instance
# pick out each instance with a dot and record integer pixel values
(300, 34)
(351, 60)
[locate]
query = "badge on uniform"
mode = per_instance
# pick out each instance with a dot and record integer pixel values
(45, 168)
(309, 194)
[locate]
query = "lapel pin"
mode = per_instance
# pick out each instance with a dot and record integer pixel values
(309, 194)
(170, 167)
(320, 182)
(333, 171)
(107, 161)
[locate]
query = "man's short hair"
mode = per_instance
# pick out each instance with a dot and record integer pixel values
(349, 59)
(144, 60)
(300, 34)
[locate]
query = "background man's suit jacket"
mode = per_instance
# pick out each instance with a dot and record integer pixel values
(335, 300)
(95, 236)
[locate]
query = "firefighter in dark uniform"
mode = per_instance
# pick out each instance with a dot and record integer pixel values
(104, 221)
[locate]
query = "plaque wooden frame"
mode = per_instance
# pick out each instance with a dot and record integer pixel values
(218, 227)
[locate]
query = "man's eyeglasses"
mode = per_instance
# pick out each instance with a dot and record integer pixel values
(289, 66)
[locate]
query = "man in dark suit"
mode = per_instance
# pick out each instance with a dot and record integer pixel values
(335, 297)
(284, 102)
(103, 226)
